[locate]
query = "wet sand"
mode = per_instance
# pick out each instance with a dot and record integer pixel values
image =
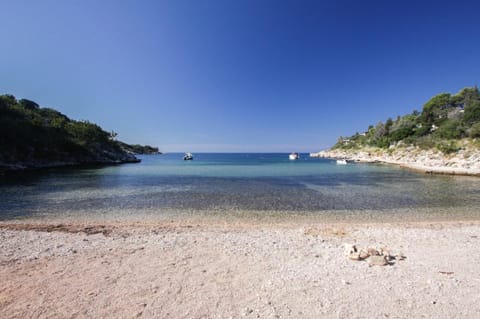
(223, 269)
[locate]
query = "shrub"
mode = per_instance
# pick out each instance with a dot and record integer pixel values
(383, 142)
(423, 130)
(448, 148)
(475, 130)
(451, 129)
(401, 133)
(425, 142)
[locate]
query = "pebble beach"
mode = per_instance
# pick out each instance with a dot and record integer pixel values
(195, 269)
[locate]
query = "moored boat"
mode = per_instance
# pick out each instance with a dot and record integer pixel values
(188, 157)
(341, 162)
(293, 156)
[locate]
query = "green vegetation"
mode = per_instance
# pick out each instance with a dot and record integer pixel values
(31, 136)
(443, 120)
(139, 149)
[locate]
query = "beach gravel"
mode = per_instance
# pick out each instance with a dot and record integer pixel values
(226, 270)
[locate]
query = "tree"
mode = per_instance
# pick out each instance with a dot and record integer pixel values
(388, 125)
(436, 108)
(380, 131)
(472, 112)
(466, 96)
(29, 105)
(7, 100)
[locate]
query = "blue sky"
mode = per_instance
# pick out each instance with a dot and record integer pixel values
(237, 76)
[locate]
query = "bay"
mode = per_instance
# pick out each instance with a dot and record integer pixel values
(223, 184)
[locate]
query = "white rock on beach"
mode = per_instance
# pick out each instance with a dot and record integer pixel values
(349, 249)
(378, 260)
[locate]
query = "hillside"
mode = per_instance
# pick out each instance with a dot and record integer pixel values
(443, 138)
(444, 121)
(36, 137)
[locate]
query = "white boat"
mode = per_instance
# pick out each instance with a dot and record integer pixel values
(188, 157)
(293, 156)
(341, 162)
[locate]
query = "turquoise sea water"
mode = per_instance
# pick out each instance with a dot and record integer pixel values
(234, 183)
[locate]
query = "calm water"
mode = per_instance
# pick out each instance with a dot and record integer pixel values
(235, 183)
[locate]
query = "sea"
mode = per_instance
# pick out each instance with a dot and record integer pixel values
(239, 185)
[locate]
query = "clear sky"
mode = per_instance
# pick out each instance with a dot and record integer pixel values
(237, 75)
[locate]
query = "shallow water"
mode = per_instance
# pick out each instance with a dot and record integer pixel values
(225, 184)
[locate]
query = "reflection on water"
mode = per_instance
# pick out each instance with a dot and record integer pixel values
(232, 183)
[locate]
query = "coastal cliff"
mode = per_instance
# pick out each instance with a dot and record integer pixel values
(34, 137)
(443, 138)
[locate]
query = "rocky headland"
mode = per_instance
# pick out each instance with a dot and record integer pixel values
(442, 138)
(33, 137)
(465, 161)
(104, 157)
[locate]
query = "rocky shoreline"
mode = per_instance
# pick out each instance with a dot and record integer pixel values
(464, 162)
(36, 165)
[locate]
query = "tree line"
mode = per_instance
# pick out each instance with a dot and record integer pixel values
(444, 119)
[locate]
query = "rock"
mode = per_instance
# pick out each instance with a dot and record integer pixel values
(247, 311)
(354, 256)
(384, 251)
(377, 261)
(400, 256)
(364, 254)
(374, 257)
(349, 249)
(373, 251)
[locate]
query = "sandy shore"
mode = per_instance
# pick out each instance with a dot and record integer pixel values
(231, 270)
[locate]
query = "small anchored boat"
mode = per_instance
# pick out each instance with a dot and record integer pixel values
(188, 157)
(341, 162)
(293, 156)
